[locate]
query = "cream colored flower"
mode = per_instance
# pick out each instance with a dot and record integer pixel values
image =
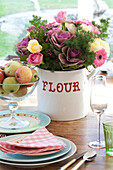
(71, 28)
(86, 27)
(98, 44)
(105, 45)
(34, 46)
(95, 46)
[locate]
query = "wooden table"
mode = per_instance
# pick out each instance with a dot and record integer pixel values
(81, 132)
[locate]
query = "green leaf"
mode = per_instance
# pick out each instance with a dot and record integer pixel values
(22, 57)
(103, 27)
(37, 20)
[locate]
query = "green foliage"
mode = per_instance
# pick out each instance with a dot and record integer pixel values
(37, 21)
(103, 27)
(39, 34)
(50, 63)
(81, 41)
(22, 57)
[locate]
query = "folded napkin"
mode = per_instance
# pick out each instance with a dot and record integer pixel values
(38, 142)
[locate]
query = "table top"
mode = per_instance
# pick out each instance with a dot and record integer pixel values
(81, 132)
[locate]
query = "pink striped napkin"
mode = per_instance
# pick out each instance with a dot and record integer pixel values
(38, 142)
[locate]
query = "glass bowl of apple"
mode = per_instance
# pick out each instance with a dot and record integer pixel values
(17, 82)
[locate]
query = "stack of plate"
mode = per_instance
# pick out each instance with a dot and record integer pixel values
(37, 160)
(36, 120)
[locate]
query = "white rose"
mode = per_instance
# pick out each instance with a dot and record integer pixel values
(71, 28)
(86, 27)
(95, 45)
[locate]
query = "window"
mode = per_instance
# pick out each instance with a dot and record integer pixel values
(15, 16)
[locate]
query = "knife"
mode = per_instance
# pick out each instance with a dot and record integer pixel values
(72, 161)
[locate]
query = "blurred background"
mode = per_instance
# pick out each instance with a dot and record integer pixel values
(15, 16)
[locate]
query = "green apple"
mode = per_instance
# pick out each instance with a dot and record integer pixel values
(21, 92)
(11, 68)
(34, 75)
(3, 92)
(10, 85)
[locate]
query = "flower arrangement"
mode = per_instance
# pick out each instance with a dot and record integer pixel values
(64, 45)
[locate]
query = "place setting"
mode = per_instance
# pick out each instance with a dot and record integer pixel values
(36, 149)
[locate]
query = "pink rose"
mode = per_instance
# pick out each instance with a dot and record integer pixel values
(35, 58)
(61, 17)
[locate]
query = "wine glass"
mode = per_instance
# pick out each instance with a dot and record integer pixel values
(98, 103)
(13, 121)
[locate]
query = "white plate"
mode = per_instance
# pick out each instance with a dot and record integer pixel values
(32, 159)
(39, 164)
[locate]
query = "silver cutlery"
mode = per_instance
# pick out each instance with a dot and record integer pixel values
(87, 157)
(72, 161)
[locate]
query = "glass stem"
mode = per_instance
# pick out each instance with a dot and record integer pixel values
(13, 106)
(99, 121)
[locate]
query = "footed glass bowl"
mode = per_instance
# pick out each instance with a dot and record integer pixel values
(14, 93)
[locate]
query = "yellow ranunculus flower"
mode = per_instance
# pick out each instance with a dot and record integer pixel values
(34, 46)
(95, 46)
(28, 33)
(105, 45)
(71, 28)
